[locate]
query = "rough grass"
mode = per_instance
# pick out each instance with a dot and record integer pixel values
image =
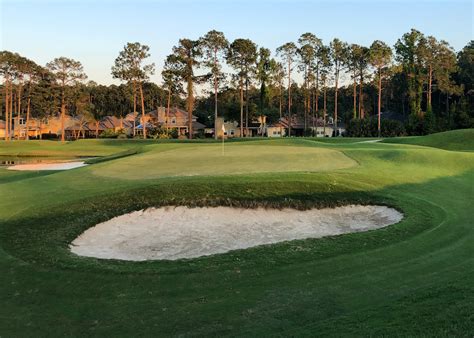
(412, 278)
(457, 140)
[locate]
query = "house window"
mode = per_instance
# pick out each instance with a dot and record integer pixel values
(21, 121)
(232, 132)
(173, 120)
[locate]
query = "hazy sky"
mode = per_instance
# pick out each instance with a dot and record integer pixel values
(94, 32)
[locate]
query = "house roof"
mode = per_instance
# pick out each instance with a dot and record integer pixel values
(111, 122)
(198, 126)
(148, 126)
(174, 112)
(297, 122)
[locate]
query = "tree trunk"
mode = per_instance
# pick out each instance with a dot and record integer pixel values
(63, 115)
(168, 110)
(190, 107)
(447, 103)
(428, 94)
(305, 100)
(10, 120)
(241, 109)
(316, 99)
(246, 108)
(134, 107)
(28, 105)
(18, 106)
(335, 102)
(143, 111)
(215, 94)
(355, 98)
(7, 106)
(281, 103)
(314, 115)
(97, 129)
(289, 97)
(379, 100)
(20, 89)
(324, 112)
(361, 99)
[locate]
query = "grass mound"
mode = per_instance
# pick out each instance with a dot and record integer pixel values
(412, 278)
(456, 140)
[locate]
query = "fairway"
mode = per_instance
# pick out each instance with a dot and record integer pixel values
(411, 278)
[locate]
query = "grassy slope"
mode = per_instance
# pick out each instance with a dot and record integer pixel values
(412, 278)
(457, 140)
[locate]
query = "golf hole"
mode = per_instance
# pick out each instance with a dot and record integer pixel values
(171, 233)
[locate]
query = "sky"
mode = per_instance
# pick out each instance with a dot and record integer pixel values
(94, 32)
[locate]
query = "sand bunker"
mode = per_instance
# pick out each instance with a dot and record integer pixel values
(180, 232)
(48, 166)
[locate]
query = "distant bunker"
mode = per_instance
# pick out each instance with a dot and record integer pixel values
(171, 233)
(53, 165)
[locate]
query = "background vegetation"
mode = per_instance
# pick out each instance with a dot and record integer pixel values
(420, 82)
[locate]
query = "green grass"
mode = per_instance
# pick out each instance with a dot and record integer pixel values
(458, 140)
(207, 159)
(414, 278)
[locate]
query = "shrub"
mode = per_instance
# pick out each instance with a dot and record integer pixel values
(162, 133)
(369, 128)
(110, 133)
(421, 125)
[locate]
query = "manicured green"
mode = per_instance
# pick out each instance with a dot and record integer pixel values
(412, 278)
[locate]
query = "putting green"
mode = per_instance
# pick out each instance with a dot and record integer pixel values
(408, 279)
(209, 160)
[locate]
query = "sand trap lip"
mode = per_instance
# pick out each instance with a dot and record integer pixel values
(48, 166)
(171, 233)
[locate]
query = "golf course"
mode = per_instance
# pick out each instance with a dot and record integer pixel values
(411, 278)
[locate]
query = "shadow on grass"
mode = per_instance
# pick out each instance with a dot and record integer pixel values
(44, 238)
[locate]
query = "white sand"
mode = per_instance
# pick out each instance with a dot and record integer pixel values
(47, 166)
(181, 232)
(370, 141)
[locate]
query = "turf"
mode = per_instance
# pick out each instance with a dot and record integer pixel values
(208, 159)
(457, 140)
(413, 278)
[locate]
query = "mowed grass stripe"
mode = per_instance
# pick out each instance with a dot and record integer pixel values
(412, 278)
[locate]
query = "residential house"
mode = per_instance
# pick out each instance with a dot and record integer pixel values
(117, 124)
(3, 132)
(174, 119)
(40, 127)
(276, 130)
(314, 125)
(231, 128)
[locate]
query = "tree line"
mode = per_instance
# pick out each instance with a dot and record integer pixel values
(420, 80)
